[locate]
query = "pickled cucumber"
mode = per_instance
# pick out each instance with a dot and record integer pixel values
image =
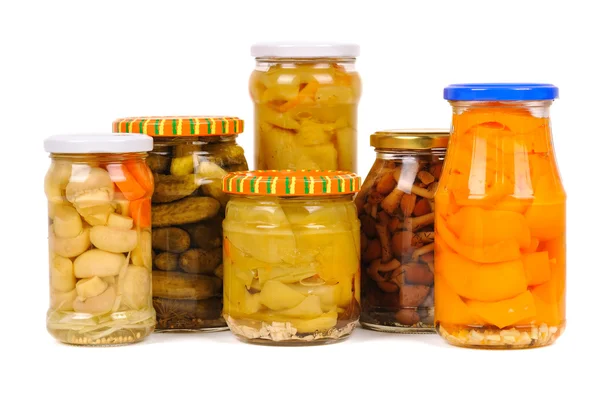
(187, 210)
(225, 154)
(177, 285)
(205, 236)
(167, 309)
(200, 261)
(169, 188)
(158, 163)
(166, 261)
(171, 239)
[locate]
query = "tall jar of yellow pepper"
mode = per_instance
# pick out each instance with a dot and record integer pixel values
(500, 264)
(306, 98)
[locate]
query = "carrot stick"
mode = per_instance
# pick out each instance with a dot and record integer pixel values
(140, 212)
(142, 175)
(125, 181)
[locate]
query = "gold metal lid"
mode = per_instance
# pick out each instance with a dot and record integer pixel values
(410, 139)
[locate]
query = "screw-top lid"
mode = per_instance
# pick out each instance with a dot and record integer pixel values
(305, 50)
(291, 183)
(501, 92)
(410, 139)
(103, 143)
(180, 125)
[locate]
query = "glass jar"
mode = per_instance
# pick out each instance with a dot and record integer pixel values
(305, 104)
(395, 207)
(291, 256)
(98, 189)
(500, 220)
(191, 155)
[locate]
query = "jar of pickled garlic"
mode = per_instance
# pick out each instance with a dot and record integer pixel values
(291, 256)
(98, 189)
(191, 155)
(395, 207)
(305, 104)
(500, 262)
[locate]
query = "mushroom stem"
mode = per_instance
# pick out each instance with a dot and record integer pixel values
(384, 238)
(392, 201)
(422, 251)
(422, 192)
(412, 224)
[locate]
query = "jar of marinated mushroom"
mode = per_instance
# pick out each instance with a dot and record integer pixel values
(500, 220)
(291, 256)
(191, 156)
(396, 207)
(98, 189)
(305, 105)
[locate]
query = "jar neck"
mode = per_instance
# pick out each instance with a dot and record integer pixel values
(99, 157)
(540, 109)
(396, 154)
(264, 63)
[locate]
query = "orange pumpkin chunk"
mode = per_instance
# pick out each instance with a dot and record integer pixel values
(546, 311)
(449, 307)
(502, 251)
(546, 216)
(480, 227)
(507, 312)
(537, 267)
(483, 282)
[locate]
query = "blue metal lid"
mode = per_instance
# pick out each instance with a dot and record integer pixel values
(500, 92)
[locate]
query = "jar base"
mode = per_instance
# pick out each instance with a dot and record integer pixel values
(117, 338)
(491, 337)
(398, 329)
(284, 333)
(191, 330)
(118, 328)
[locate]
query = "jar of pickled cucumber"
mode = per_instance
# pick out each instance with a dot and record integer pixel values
(98, 189)
(305, 104)
(291, 256)
(191, 156)
(395, 207)
(500, 261)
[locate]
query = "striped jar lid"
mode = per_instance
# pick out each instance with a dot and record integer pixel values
(287, 183)
(159, 126)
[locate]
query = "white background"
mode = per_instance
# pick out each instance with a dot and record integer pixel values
(75, 66)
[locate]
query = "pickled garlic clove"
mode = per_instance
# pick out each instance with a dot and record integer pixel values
(90, 287)
(142, 253)
(56, 181)
(96, 215)
(61, 274)
(119, 222)
(67, 222)
(90, 186)
(70, 247)
(113, 239)
(96, 262)
(98, 304)
(136, 287)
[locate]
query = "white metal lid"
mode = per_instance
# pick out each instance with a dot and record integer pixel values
(305, 50)
(105, 143)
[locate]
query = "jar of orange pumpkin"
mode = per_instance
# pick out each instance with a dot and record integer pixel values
(500, 263)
